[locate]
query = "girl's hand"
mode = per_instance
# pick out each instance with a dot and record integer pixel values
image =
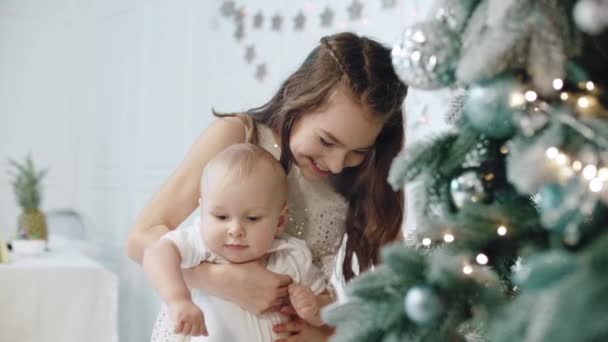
(300, 330)
(251, 286)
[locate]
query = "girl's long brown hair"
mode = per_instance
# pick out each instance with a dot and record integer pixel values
(375, 211)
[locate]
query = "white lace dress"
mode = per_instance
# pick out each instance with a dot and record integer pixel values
(317, 215)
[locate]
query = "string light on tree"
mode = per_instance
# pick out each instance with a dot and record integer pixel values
(449, 238)
(467, 269)
(589, 172)
(558, 84)
(426, 242)
(482, 259)
(552, 153)
(530, 96)
(502, 230)
(596, 185)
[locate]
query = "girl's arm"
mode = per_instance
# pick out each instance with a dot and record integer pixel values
(250, 285)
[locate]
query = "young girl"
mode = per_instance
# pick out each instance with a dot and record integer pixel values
(242, 217)
(336, 125)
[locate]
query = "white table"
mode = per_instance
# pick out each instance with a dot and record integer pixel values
(59, 296)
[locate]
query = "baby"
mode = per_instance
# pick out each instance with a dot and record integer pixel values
(243, 213)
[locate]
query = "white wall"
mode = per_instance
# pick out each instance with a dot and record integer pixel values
(109, 94)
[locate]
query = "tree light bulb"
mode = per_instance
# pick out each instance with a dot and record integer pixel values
(482, 259)
(531, 96)
(502, 230)
(558, 84)
(589, 172)
(467, 269)
(552, 152)
(596, 185)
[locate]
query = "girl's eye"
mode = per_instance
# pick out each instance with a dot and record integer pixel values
(253, 218)
(221, 217)
(325, 142)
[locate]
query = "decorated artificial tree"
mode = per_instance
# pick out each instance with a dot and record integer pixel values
(511, 236)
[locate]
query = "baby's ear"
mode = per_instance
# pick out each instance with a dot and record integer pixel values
(283, 217)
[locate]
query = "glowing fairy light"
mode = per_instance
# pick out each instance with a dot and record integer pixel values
(502, 230)
(589, 172)
(516, 99)
(561, 159)
(564, 96)
(583, 102)
(482, 259)
(552, 152)
(426, 242)
(448, 238)
(558, 84)
(596, 185)
(602, 174)
(531, 96)
(467, 269)
(589, 85)
(577, 165)
(504, 149)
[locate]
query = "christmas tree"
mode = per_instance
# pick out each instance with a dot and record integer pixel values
(511, 238)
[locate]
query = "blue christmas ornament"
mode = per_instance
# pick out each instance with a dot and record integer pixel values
(422, 305)
(490, 106)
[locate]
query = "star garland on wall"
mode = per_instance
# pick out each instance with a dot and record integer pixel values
(276, 22)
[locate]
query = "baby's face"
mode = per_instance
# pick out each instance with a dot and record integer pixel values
(241, 217)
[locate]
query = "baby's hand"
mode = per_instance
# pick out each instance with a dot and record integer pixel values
(188, 318)
(304, 302)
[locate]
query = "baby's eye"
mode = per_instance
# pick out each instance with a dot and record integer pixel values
(221, 217)
(253, 218)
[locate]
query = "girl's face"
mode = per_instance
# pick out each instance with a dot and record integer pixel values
(335, 136)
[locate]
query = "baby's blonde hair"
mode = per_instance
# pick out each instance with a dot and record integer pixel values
(238, 161)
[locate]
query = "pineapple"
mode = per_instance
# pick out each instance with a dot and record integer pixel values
(26, 185)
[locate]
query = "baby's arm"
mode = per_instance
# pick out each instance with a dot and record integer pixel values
(162, 263)
(308, 305)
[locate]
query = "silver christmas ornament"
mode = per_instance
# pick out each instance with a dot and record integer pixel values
(427, 55)
(591, 16)
(422, 305)
(454, 13)
(468, 188)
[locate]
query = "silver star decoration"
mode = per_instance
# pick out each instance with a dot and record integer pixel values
(327, 16)
(250, 53)
(227, 8)
(258, 20)
(354, 10)
(386, 4)
(299, 21)
(239, 16)
(239, 33)
(261, 72)
(277, 21)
